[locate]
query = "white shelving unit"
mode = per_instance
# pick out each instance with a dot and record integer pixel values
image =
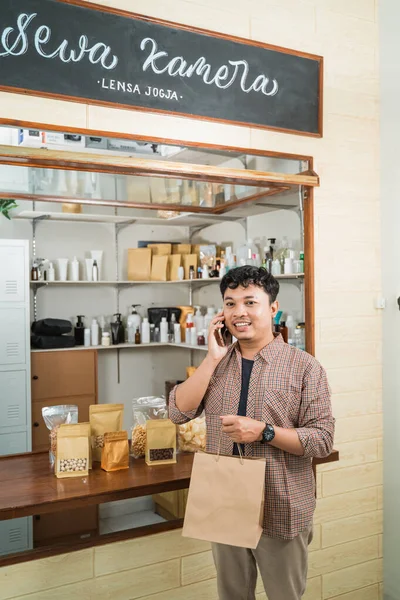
(126, 347)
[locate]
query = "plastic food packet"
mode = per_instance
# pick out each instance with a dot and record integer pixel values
(72, 458)
(145, 409)
(192, 435)
(54, 416)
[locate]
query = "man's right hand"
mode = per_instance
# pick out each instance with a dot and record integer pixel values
(216, 346)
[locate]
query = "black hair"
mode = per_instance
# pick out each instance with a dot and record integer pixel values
(248, 275)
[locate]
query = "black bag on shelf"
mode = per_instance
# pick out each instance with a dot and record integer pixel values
(51, 327)
(49, 342)
(156, 314)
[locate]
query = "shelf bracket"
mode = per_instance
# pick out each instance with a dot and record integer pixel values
(120, 226)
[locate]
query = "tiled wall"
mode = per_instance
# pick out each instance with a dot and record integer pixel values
(345, 561)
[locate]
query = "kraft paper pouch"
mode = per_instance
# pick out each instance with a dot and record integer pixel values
(104, 418)
(85, 427)
(190, 260)
(139, 264)
(115, 453)
(72, 458)
(190, 371)
(226, 500)
(159, 268)
(174, 262)
(160, 442)
(182, 249)
(160, 249)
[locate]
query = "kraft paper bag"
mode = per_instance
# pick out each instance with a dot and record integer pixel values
(181, 248)
(160, 249)
(174, 262)
(139, 264)
(226, 500)
(159, 268)
(190, 260)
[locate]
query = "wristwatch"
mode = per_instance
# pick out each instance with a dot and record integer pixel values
(268, 434)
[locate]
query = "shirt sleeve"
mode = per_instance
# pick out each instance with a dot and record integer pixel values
(179, 417)
(316, 423)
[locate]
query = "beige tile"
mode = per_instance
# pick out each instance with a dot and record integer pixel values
(299, 30)
(314, 589)
(78, 591)
(381, 591)
(338, 557)
(362, 9)
(349, 304)
(335, 25)
(380, 449)
(39, 575)
(138, 582)
(206, 590)
(350, 129)
(366, 593)
(351, 103)
(352, 453)
(197, 567)
(143, 551)
(352, 578)
(351, 478)
(319, 485)
(316, 543)
(350, 328)
(380, 546)
(24, 107)
(362, 427)
(356, 379)
(380, 496)
(356, 403)
(346, 505)
(349, 354)
(352, 528)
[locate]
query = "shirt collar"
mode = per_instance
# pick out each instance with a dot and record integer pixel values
(268, 353)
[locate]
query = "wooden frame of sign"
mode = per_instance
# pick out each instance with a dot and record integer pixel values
(142, 63)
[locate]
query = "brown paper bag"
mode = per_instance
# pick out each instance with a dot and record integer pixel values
(182, 249)
(159, 268)
(139, 264)
(160, 442)
(174, 262)
(160, 249)
(85, 427)
(103, 418)
(190, 260)
(226, 500)
(72, 458)
(115, 453)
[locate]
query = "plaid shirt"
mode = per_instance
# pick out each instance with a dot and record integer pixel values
(288, 388)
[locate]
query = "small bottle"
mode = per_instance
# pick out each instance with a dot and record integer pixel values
(51, 274)
(131, 331)
(86, 337)
(95, 333)
(152, 332)
(79, 332)
(75, 269)
(171, 329)
(95, 271)
(201, 340)
(35, 273)
(145, 331)
(276, 268)
(199, 273)
(191, 272)
(177, 334)
(189, 326)
(164, 330)
(299, 337)
(193, 336)
(205, 273)
(137, 336)
(105, 339)
(181, 273)
(157, 335)
(288, 268)
(301, 258)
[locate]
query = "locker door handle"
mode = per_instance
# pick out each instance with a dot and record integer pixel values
(35, 377)
(36, 424)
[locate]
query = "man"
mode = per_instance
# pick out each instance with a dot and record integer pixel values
(274, 400)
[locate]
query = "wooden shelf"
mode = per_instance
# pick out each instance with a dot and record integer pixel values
(124, 347)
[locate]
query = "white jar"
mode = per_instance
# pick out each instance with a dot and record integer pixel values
(86, 337)
(288, 266)
(105, 339)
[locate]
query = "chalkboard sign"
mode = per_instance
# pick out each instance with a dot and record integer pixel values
(72, 50)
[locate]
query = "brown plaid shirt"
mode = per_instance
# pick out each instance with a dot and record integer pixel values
(288, 388)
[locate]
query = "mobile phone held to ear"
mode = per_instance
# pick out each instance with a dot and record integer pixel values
(224, 337)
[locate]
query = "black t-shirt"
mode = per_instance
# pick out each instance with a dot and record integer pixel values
(247, 366)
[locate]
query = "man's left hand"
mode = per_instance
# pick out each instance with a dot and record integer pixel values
(242, 430)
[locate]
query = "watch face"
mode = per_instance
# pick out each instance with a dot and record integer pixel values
(269, 433)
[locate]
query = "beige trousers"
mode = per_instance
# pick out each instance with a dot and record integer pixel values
(282, 565)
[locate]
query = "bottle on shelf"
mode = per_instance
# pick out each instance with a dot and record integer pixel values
(181, 273)
(105, 338)
(79, 331)
(209, 317)
(290, 328)
(192, 274)
(86, 337)
(117, 330)
(51, 274)
(283, 330)
(199, 273)
(94, 328)
(205, 272)
(130, 331)
(157, 335)
(276, 267)
(301, 258)
(152, 332)
(95, 271)
(198, 319)
(133, 322)
(137, 336)
(189, 326)
(201, 338)
(35, 273)
(164, 330)
(177, 334)
(193, 336)
(145, 331)
(75, 269)
(299, 337)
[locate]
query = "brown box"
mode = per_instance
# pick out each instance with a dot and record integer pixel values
(160, 249)
(181, 248)
(159, 268)
(139, 264)
(190, 260)
(174, 262)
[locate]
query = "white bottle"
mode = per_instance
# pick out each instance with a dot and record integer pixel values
(51, 275)
(134, 320)
(95, 271)
(290, 326)
(75, 269)
(181, 273)
(145, 331)
(208, 318)
(177, 334)
(189, 327)
(95, 332)
(193, 336)
(164, 330)
(86, 337)
(205, 273)
(276, 268)
(288, 266)
(198, 320)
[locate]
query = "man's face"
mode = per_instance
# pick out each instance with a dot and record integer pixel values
(248, 313)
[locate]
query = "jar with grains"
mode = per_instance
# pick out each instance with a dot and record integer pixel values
(144, 409)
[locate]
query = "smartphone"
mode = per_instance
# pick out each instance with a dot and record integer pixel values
(224, 337)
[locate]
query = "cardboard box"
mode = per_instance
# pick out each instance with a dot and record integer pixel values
(190, 260)
(182, 249)
(160, 249)
(174, 262)
(159, 268)
(139, 264)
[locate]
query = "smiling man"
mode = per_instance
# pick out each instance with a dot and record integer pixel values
(274, 400)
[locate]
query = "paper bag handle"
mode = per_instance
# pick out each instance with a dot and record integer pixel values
(239, 446)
